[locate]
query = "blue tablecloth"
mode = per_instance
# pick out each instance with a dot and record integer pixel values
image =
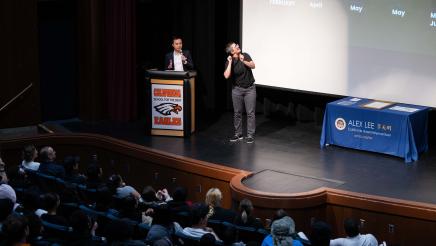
(394, 132)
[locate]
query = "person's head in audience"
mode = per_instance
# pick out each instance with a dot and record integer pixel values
(71, 165)
(29, 153)
(47, 154)
(199, 215)
(31, 200)
(281, 231)
(94, 173)
(104, 199)
(279, 214)
(80, 222)
(245, 208)
(6, 208)
(320, 234)
(51, 202)
(129, 203)
(180, 194)
(149, 194)
(6, 191)
(115, 181)
(351, 227)
(207, 239)
(162, 216)
(16, 229)
(214, 197)
(16, 176)
(119, 230)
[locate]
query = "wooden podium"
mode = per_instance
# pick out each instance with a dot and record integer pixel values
(171, 102)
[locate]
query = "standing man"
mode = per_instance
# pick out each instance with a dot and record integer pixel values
(238, 67)
(178, 59)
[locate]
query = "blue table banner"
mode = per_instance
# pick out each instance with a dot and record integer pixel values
(398, 129)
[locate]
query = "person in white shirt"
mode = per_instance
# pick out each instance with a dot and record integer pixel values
(199, 223)
(178, 59)
(354, 238)
(29, 155)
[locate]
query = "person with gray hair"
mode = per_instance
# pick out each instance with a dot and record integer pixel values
(238, 67)
(281, 233)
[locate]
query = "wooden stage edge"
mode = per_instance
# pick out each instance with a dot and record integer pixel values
(233, 177)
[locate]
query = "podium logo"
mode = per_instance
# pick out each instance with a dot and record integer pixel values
(167, 108)
(340, 124)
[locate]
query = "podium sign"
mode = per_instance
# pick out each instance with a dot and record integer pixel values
(171, 104)
(167, 106)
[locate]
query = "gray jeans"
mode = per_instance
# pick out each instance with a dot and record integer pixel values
(244, 97)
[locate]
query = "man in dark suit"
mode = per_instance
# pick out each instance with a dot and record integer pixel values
(48, 165)
(178, 59)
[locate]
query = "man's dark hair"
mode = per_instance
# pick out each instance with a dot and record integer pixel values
(28, 152)
(93, 173)
(279, 214)
(180, 194)
(69, 163)
(15, 228)
(6, 207)
(50, 200)
(199, 211)
(320, 234)
(207, 240)
(351, 227)
(119, 230)
(175, 37)
(149, 194)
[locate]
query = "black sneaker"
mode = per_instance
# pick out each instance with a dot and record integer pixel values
(236, 138)
(250, 139)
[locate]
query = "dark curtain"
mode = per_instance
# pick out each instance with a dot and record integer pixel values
(120, 59)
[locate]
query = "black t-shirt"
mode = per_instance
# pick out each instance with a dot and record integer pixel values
(241, 75)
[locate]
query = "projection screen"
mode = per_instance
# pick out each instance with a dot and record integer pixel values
(379, 49)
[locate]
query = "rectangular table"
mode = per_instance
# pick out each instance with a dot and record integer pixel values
(400, 133)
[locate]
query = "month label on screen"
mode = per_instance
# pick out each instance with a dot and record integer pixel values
(282, 2)
(316, 5)
(356, 8)
(397, 12)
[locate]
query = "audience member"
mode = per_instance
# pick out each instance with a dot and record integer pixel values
(94, 179)
(71, 165)
(16, 230)
(120, 189)
(216, 212)
(120, 232)
(83, 230)
(7, 192)
(207, 239)
(320, 234)
(354, 238)
(163, 225)
(281, 233)
(199, 223)
(51, 203)
(3, 176)
(244, 218)
(29, 155)
(6, 208)
(48, 165)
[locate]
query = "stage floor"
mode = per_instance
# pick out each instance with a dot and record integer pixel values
(287, 158)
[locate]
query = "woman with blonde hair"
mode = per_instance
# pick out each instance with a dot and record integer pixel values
(216, 212)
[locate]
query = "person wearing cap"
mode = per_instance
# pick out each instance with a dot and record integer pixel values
(281, 233)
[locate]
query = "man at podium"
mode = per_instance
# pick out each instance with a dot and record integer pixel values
(178, 59)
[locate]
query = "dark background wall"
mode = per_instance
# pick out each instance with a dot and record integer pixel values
(87, 59)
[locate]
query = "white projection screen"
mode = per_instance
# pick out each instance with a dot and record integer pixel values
(379, 49)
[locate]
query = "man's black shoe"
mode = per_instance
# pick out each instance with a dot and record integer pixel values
(250, 139)
(236, 138)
